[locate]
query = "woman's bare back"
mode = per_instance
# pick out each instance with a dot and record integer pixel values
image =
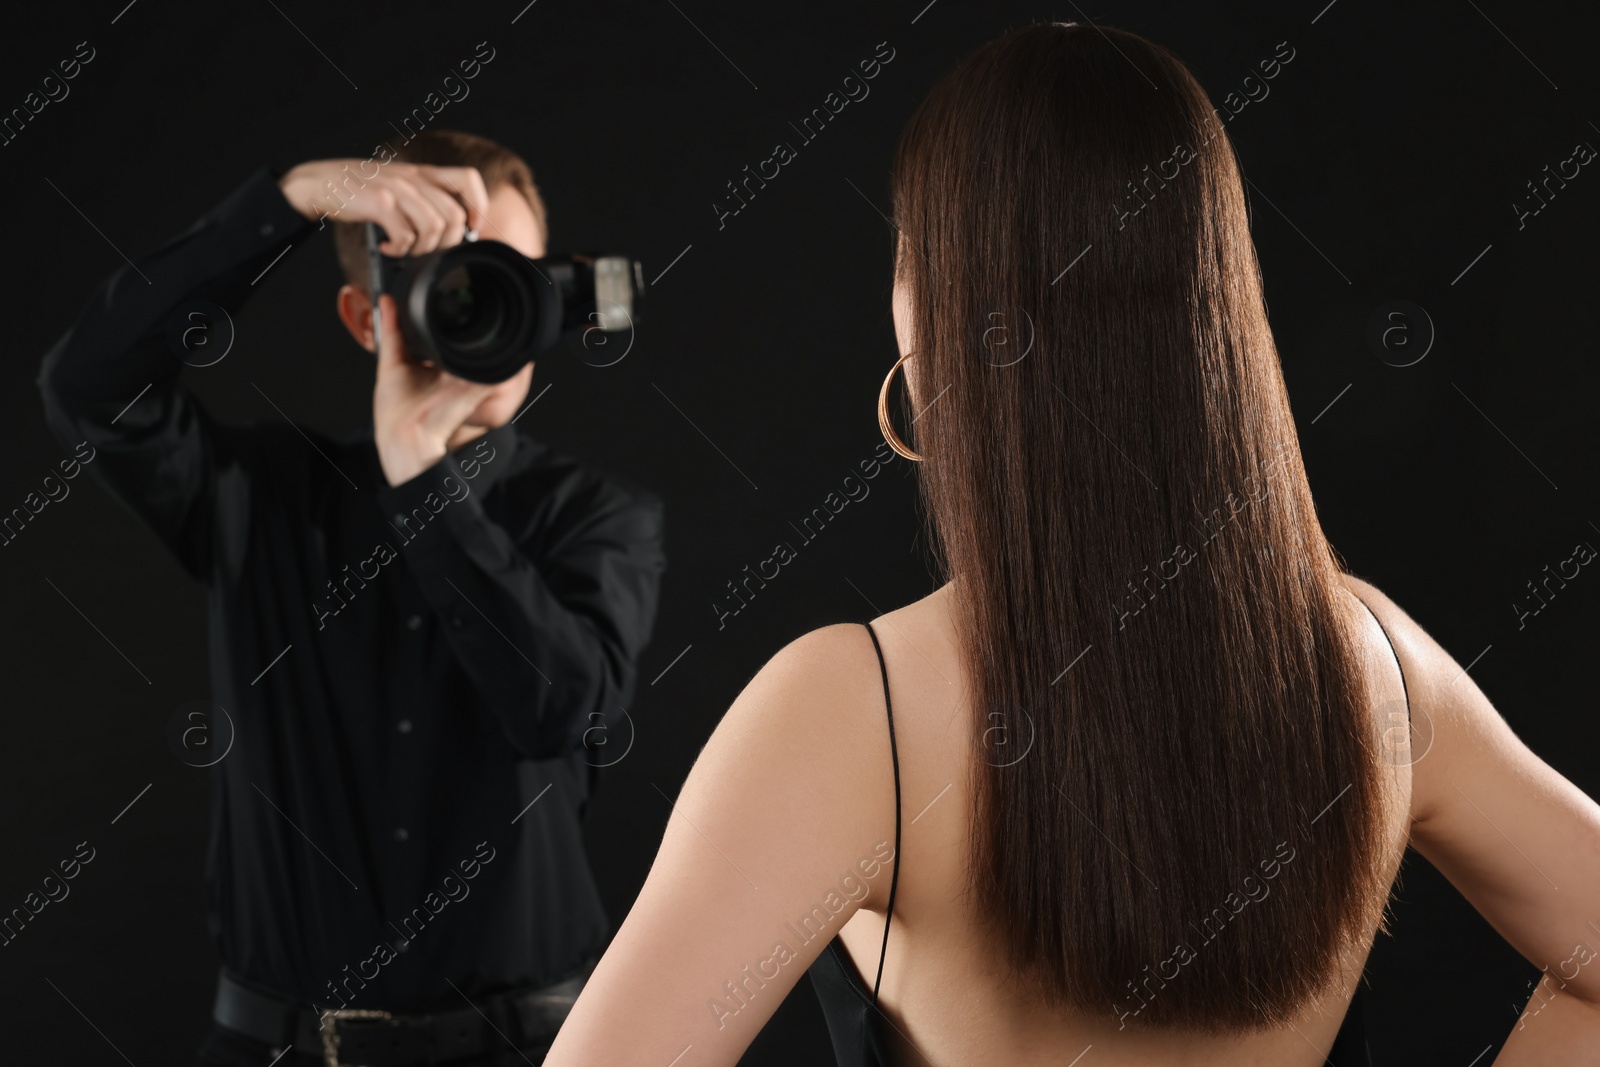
(942, 988)
(795, 786)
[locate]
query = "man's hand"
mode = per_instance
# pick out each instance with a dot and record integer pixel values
(420, 207)
(416, 409)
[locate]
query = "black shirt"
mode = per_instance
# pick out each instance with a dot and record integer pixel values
(411, 672)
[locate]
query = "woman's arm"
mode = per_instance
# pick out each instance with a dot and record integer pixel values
(783, 830)
(1518, 840)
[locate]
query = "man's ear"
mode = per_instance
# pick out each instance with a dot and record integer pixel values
(355, 311)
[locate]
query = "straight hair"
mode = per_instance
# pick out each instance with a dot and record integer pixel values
(1179, 814)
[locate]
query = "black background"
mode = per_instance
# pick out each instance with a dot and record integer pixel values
(1387, 156)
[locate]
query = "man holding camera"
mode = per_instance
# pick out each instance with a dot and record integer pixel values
(416, 634)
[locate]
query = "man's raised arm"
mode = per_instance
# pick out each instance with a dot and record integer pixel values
(112, 379)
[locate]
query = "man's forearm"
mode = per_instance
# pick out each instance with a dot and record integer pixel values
(542, 666)
(112, 381)
(119, 348)
(544, 650)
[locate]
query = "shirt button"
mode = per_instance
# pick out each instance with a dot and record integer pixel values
(400, 833)
(414, 622)
(455, 621)
(266, 229)
(404, 726)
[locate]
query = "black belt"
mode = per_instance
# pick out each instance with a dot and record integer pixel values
(349, 1036)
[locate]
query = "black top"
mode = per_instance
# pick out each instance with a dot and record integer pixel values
(411, 672)
(858, 1027)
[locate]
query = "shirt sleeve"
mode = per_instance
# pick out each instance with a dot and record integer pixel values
(549, 628)
(112, 380)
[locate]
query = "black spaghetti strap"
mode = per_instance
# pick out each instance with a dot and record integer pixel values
(894, 755)
(1393, 652)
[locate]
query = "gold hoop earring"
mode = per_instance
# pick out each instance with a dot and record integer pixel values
(884, 425)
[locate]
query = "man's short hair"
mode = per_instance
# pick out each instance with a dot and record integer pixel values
(444, 148)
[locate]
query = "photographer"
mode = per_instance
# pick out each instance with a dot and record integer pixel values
(413, 632)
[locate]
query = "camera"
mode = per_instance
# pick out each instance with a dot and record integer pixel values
(481, 310)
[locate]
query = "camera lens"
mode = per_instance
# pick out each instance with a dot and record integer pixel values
(480, 310)
(480, 315)
(473, 308)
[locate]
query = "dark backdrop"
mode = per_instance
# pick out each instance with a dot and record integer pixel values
(1384, 165)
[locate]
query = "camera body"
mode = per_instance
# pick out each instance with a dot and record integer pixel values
(482, 311)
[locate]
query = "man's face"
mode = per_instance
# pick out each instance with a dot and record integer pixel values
(511, 221)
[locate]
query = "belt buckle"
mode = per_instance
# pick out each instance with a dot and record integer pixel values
(328, 1030)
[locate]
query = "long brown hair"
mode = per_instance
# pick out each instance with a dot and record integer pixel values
(1173, 739)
